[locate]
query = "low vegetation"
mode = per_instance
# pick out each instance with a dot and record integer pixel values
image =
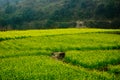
(91, 54)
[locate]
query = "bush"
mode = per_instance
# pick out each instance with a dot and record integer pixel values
(103, 24)
(65, 24)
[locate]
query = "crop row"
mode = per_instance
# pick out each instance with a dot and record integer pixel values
(18, 34)
(25, 55)
(45, 68)
(97, 41)
(93, 59)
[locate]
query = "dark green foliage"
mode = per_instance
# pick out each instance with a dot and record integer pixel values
(65, 24)
(52, 24)
(36, 14)
(24, 14)
(100, 12)
(103, 24)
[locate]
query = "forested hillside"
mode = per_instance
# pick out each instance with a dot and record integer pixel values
(25, 14)
(89, 9)
(36, 14)
(96, 13)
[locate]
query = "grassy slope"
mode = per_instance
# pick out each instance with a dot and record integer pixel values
(26, 54)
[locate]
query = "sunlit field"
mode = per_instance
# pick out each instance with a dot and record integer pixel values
(91, 54)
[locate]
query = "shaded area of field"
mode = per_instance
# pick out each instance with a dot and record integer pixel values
(8, 38)
(91, 54)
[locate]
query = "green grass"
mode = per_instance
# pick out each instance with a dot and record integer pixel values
(25, 55)
(114, 69)
(30, 33)
(93, 59)
(44, 68)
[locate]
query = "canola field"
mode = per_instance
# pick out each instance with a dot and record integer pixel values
(91, 54)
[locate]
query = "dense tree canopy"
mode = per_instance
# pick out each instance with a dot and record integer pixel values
(36, 14)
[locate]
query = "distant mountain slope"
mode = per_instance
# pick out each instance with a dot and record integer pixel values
(17, 14)
(89, 9)
(95, 13)
(29, 14)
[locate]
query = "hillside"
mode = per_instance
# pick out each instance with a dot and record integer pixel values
(89, 9)
(36, 14)
(18, 14)
(96, 11)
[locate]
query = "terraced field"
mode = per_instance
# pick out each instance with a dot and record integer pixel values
(91, 54)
